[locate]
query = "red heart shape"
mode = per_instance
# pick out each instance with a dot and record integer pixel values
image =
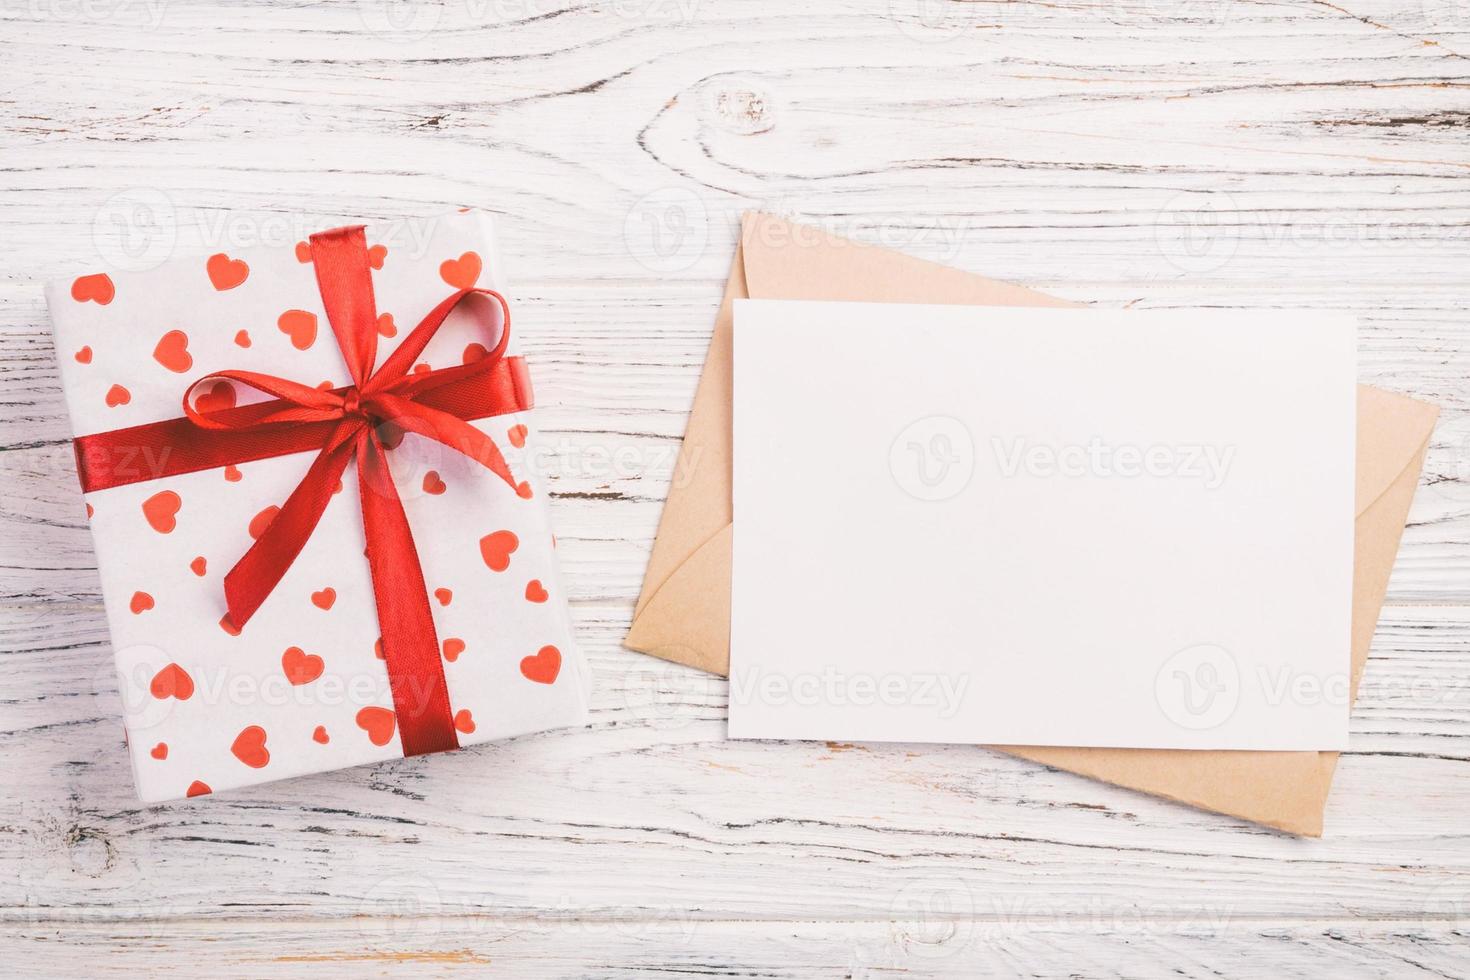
(443, 595)
(517, 436)
(474, 352)
(159, 751)
(196, 788)
(390, 435)
(379, 723)
(300, 326)
(464, 722)
(496, 549)
(453, 647)
(172, 351)
(242, 338)
(172, 681)
(225, 272)
(97, 287)
(118, 395)
(320, 735)
(376, 255)
(219, 397)
(386, 326)
(432, 483)
(198, 565)
(324, 598)
(161, 511)
(84, 356)
(141, 603)
(303, 252)
(462, 272)
(261, 521)
(535, 591)
(544, 666)
(249, 747)
(232, 473)
(301, 667)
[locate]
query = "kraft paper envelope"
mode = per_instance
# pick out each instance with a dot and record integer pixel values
(683, 613)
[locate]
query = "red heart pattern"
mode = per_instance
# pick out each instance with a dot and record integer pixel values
(300, 326)
(225, 272)
(535, 591)
(172, 681)
(496, 549)
(461, 273)
(517, 436)
(301, 667)
(320, 736)
(141, 603)
(196, 788)
(444, 596)
(453, 647)
(324, 598)
(543, 666)
(97, 288)
(464, 722)
(379, 723)
(172, 352)
(118, 395)
(198, 566)
(219, 397)
(161, 511)
(84, 356)
(249, 747)
(262, 520)
(159, 751)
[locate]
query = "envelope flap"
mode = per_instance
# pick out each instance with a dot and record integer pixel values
(1392, 429)
(790, 261)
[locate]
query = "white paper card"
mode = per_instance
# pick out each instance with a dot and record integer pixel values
(1044, 527)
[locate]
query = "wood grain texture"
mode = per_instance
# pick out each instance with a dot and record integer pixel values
(1251, 155)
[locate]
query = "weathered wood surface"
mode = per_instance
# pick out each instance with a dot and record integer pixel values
(1195, 152)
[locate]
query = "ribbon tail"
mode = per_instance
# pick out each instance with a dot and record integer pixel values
(256, 575)
(410, 644)
(450, 430)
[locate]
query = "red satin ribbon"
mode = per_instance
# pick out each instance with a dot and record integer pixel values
(343, 424)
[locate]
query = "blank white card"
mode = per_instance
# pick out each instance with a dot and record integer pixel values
(1042, 527)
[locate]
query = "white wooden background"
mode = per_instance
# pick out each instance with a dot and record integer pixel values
(1263, 154)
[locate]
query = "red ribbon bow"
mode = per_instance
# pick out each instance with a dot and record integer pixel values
(344, 423)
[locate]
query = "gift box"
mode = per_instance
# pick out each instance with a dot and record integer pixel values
(308, 474)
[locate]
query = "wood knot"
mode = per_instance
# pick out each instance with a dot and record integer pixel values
(743, 111)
